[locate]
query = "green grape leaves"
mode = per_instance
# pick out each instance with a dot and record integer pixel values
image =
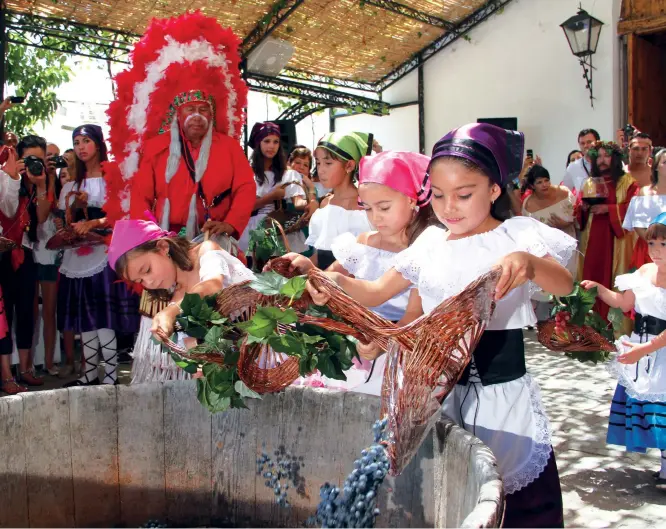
(219, 387)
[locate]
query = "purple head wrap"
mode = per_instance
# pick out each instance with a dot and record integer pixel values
(497, 151)
(260, 131)
(94, 132)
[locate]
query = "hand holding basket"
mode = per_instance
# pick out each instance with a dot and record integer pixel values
(67, 237)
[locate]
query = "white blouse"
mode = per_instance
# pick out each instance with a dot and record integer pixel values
(220, 262)
(9, 195)
(329, 222)
(291, 177)
(643, 210)
(646, 379)
(73, 264)
(365, 262)
(441, 268)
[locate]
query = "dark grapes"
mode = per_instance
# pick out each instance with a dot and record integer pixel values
(355, 505)
(279, 474)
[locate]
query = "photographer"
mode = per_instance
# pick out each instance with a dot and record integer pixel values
(47, 268)
(17, 268)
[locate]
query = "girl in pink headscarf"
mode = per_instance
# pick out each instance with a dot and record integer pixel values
(394, 191)
(170, 266)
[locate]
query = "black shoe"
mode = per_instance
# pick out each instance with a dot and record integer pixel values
(76, 383)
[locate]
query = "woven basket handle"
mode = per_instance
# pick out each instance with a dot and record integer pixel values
(69, 211)
(173, 346)
(282, 234)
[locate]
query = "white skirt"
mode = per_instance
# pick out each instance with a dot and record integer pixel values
(509, 418)
(646, 379)
(150, 363)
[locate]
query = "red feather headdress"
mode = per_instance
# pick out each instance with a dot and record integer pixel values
(175, 57)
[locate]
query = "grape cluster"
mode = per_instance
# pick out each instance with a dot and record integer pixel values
(282, 474)
(150, 524)
(561, 319)
(355, 505)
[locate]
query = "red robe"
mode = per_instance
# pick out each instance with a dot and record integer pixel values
(227, 168)
(606, 245)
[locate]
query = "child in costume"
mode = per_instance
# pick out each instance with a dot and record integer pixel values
(170, 266)
(337, 156)
(395, 195)
(495, 399)
(637, 419)
(91, 300)
(275, 182)
(643, 208)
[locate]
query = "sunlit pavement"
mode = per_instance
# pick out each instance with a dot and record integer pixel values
(602, 485)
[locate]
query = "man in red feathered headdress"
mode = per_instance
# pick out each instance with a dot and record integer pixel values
(193, 176)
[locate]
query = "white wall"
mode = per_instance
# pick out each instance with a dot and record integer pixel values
(518, 64)
(398, 131)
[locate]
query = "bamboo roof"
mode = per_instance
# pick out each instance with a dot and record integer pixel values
(356, 40)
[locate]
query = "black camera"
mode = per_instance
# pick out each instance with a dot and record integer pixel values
(59, 162)
(628, 131)
(34, 164)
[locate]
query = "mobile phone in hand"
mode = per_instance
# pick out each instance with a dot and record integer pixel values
(530, 153)
(17, 100)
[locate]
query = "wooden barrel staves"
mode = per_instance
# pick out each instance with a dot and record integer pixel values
(122, 455)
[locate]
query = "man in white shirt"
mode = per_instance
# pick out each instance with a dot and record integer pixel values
(579, 171)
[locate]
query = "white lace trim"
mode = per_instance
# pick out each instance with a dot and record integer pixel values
(356, 258)
(150, 363)
(78, 274)
(616, 370)
(541, 447)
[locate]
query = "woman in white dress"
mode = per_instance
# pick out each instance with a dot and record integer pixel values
(645, 207)
(274, 183)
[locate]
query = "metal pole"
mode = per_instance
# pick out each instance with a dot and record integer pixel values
(331, 120)
(421, 109)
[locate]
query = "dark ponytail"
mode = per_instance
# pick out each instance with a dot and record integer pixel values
(424, 217)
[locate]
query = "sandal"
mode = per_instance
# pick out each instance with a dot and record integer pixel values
(30, 379)
(11, 387)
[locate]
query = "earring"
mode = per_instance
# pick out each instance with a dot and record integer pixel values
(416, 208)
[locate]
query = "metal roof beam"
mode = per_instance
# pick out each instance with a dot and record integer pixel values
(279, 12)
(315, 94)
(410, 12)
(481, 14)
(328, 81)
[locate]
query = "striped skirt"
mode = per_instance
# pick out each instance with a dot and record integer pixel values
(636, 424)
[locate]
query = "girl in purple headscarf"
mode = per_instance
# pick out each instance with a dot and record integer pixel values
(496, 399)
(91, 300)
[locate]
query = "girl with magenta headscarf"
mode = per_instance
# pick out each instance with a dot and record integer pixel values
(395, 195)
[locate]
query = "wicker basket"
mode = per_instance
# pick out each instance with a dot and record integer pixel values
(291, 221)
(66, 237)
(6, 244)
(255, 262)
(580, 338)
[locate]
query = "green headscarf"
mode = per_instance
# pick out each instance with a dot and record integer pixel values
(350, 146)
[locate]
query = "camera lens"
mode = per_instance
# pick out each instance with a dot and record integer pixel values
(34, 165)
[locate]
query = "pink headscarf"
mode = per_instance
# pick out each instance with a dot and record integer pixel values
(405, 172)
(128, 234)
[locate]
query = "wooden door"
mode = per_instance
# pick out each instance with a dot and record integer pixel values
(646, 70)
